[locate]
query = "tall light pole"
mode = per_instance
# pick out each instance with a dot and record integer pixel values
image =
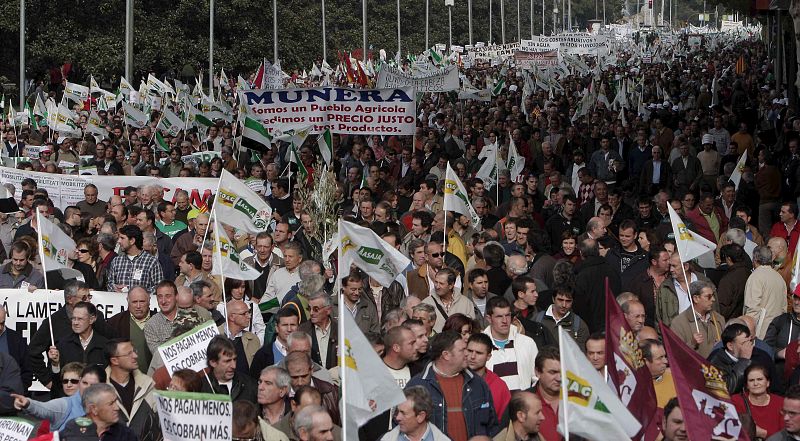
(531, 11)
(469, 19)
(210, 47)
(503, 20)
(519, 26)
(274, 31)
(449, 4)
(398, 27)
(129, 40)
(364, 31)
(21, 55)
(490, 23)
(324, 42)
(427, 10)
(544, 14)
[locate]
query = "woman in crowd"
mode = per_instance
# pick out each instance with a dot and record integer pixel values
(756, 401)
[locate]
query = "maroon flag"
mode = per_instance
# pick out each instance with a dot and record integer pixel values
(626, 368)
(702, 393)
(258, 81)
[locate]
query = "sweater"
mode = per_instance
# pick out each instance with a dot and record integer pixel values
(514, 362)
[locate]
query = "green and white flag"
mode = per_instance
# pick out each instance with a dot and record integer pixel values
(240, 206)
(295, 136)
(160, 142)
(223, 80)
(456, 197)
(365, 249)
(158, 86)
(516, 162)
(124, 86)
(255, 136)
(56, 244)
(325, 143)
(233, 265)
(31, 117)
(39, 107)
(76, 92)
(134, 117)
(591, 406)
(498, 87)
(170, 122)
(199, 119)
(191, 416)
(94, 125)
(488, 170)
(294, 157)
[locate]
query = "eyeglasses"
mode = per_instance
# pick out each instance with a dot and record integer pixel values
(66, 381)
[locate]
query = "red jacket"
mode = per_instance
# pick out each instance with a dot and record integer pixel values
(779, 230)
(700, 224)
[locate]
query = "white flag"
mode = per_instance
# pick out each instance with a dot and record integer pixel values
(736, 175)
(516, 162)
(488, 170)
(795, 269)
(365, 249)
(134, 117)
(77, 90)
(233, 265)
(592, 409)
(369, 387)
(56, 245)
(239, 206)
(456, 197)
(690, 244)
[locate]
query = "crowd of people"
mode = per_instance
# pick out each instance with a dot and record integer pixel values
(470, 329)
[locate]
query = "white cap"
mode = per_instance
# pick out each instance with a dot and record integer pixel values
(708, 139)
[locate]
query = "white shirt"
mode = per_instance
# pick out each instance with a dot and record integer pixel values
(280, 283)
(684, 301)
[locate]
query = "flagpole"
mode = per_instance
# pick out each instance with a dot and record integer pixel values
(44, 273)
(496, 175)
(688, 283)
(444, 247)
(564, 392)
(155, 160)
(219, 260)
(342, 339)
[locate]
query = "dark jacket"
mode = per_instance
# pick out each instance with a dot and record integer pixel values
(10, 382)
(62, 326)
(391, 296)
(732, 371)
(333, 344)
(70, 349)
(730, 293)
(330, 398)
(590, 291)
(646, 186)
(641, 284)
(477, 404)
(243, 387)
(778, 333)
(18, 349)
(88, 431)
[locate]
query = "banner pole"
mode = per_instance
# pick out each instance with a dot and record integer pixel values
(688, 285)
(213, 206)
(221, 273)
(342, 340)
(564, 393)
(44, 272)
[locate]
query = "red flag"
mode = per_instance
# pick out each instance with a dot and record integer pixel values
(626, 368)
(702, 393)
(258, 81)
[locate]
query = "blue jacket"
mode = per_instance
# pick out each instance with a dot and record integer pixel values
(59, 411)
(477, 403)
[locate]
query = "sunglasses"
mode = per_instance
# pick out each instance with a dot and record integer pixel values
(70, 381)
(435, 255)
(83, 251)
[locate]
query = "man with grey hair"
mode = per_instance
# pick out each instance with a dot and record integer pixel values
(322, 329)
(204, 296)
(75, 291)
(413, 416)
(516, 266)
(701, 316)
(764, 292)
(102, 410)
(313, 424)
(274, 385)
(595, 228)
(311, 280)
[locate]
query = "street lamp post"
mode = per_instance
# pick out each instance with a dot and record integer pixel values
(274, 31)
(21, 55)
(324, 42)
(469, 19)
(449, 4)
(503, 20)
(129, 39)
(427, 9)
(210, 47)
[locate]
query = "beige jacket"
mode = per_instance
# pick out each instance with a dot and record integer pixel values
(764, 297)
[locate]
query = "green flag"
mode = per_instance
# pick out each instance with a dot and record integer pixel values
(161, 143)
(302, 172)
(255, 136)
(498, 87)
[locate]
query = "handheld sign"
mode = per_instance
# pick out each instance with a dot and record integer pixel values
(188, 351)
(15, 429)
(188, 416)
